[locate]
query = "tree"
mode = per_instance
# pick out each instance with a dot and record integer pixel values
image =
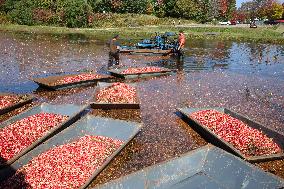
(221, 9)
(2, 2)
(270, 9)
(134, 6)
(214, 9)
(22, 12)
(262, 8)
(276, 11)
(205, 7)
(101, 5)
(239, 16)
(169, 8)
(283, 12)
(231, 8)
(8, 5)
(248, 9)
(189, 9)
(76, 13)
(71, 13)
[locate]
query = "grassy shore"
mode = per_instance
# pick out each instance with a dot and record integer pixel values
(192, 31)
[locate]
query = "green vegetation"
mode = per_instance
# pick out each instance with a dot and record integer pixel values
(133, 20)
(100, 13)
(84, 13)
(261, 34)
(262, 9)
(70, 13)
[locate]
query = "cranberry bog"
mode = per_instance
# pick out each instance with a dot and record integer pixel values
(130, 101)
(119, 130)
(71, 80)
(10, 102)
(251, 84)
(123, 72)
(210, 136)
(29, 120)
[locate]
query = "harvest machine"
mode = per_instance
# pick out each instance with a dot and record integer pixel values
(160, 44)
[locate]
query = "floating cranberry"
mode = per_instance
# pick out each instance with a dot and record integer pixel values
(22, 133)
(78, 78)
(117, 93)
(7, 100)
(65, 166)
(249, 141)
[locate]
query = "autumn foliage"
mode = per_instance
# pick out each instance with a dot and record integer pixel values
(81, 13)
(262, 9)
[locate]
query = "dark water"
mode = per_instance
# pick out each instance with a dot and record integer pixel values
(247, 78)
(24, 56)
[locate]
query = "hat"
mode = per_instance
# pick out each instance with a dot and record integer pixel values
(116, 36)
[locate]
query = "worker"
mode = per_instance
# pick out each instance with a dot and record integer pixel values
(114, 51)
(181, 43)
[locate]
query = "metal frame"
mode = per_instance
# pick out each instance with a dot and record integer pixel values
(205, 167)
(74, 113)
(50, 82)
(16, 105)
(212, 137)
(98, 105)
(146, 51)
(203, 162)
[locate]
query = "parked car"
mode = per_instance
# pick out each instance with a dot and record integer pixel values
(280, 21)
(233, 22)
(271, 22)
(225, 23)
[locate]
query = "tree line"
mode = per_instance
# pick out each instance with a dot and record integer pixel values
(261, 9)
(83, 13)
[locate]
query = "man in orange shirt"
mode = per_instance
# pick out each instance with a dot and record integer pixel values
(181, 42)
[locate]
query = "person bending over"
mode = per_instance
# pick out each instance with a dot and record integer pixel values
(181, 43)
(114, 51)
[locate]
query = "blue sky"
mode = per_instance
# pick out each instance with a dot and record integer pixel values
(239, 2)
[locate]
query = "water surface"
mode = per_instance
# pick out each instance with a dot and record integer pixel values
(245, 77)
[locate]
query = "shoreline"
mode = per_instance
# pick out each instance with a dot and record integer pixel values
(242, 33)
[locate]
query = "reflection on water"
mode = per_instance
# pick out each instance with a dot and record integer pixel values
(246, 58)
(25, 55)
